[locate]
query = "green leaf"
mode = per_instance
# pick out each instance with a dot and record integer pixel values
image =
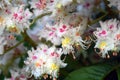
(19, 37)
(8, 75)
(21, 62)
(73, 63)
(27, 45)
(96, 72)
(2, 76)
(118, 73)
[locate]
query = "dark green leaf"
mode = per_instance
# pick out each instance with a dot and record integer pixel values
(27, 45)
(21, 62)
(96, 72)
(2, 76)
(19, 37)
(118, 73)
(8, 75)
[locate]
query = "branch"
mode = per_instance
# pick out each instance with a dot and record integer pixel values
(13, 47)
(28, 39)
(38, 17)
(98, 19)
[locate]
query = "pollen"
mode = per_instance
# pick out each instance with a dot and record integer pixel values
(102, 44)
(59, 5)
(66, 41)
(54, 67)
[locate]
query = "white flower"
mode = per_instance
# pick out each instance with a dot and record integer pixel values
(53, 32)
(18, 18)
(44, 60)
(67, 32)
(108, 36)
(105, 46)
(70, 38)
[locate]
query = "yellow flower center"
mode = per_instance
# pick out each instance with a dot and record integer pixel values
(59, 5)
(66, 41)
(13, 28)
(54, 66)
(102, 44)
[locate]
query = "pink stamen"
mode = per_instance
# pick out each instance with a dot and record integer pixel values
(20, 18)
(64, 26)
(54, 54)
(7, 11)
(38, 5)
(34, 57)
(102, 33)
(53, 28)
(61, 30)
(111, 26)
(44, 50)
(15, 15)
(50, 34)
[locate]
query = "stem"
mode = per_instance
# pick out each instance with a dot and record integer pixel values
(110, 10)
(28, 39)
(38, 17)
(6, 67)
(13, 47)
(98, 19)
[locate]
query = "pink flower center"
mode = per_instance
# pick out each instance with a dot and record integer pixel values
(54, 54)
(34, 57)
(87, 5)
(61, 30)
(103, 33)
(44, 50)
(15, 15)
(64, 26)
(111, 26)
(51, 33)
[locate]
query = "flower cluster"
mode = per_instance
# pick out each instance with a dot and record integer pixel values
(44, 60)
(64, 27)
(63, 23)
(108, 36)
(15, 18)
(67, 33)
